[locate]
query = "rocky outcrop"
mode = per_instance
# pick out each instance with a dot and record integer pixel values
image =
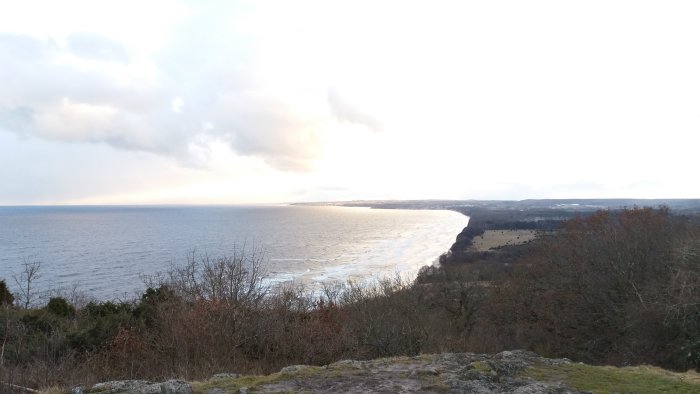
(517, 372)
(448, 372)
(138, 387)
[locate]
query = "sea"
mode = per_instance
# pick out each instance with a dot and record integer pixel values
(105, 252)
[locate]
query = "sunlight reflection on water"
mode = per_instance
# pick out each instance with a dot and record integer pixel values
(105, 250)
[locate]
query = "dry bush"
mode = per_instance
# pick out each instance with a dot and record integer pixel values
(386, 316)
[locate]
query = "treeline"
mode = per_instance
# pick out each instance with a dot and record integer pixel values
(614, 287)
(611, 288)
(482, 219)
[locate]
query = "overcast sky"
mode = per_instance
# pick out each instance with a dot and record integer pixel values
(277, 101)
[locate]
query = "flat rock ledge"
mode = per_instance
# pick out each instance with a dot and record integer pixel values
(138, 387)
(438, 373)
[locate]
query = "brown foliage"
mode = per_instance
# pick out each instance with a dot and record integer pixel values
(603, 289)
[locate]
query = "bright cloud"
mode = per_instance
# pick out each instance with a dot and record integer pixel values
(277, 101)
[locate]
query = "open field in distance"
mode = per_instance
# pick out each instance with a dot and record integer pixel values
(494, 239)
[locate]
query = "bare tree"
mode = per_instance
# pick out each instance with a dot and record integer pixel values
(236, 279)
(31, 272)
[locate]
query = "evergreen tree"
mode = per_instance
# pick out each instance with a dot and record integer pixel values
(6, 298)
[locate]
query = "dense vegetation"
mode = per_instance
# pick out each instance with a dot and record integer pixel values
(619, 288)
(609, 288)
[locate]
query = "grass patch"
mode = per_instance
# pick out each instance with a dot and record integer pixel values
(604, 379)
(50, 390)
(252, 382)
(481, 366)
(233, 385)
(436, 387)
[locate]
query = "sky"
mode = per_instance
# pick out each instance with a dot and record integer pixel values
(236, 102)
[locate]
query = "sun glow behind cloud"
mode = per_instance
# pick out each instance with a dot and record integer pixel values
(271, 101)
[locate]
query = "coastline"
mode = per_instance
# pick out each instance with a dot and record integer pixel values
(462, 241)
(105, 253)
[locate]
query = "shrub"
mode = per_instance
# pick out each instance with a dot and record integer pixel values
(99, 322)
(60, 307)
(6, 298)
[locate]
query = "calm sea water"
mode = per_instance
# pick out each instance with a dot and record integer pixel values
(104, 251)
